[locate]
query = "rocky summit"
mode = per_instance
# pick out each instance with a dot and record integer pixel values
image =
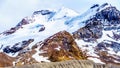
(62, 35)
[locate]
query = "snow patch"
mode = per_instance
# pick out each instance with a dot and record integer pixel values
(39, 58)
(96, 60)
(58, 48)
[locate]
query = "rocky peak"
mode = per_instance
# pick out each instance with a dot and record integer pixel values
(109, 17)
(109, 13)
(23, 22)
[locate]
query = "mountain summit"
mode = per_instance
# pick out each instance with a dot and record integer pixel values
(52, 36)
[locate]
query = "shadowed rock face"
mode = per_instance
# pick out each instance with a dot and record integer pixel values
(23, 22)
(110, 13)
(18, 26)
(18, 46)
(62, 46)
(91, 32)
(103, 48)
(110, 17)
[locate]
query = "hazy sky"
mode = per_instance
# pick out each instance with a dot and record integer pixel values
(12, 11)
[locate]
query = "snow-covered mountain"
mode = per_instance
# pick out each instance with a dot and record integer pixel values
(41, 25)
(93, 35)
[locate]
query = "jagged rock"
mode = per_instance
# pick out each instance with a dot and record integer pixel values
(103, 48)
(7, 49)
(23, 22)
(116, 36)
(110, 18)
(95, 5)
(91, 32)
(18, 46)
(25, 58)
(19, 25)
(14, 29)
(43, 12)
(62, 46)
(109, 13)
(11, 31)
(42, 28)
(109, 44)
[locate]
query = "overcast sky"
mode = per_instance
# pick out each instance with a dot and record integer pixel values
(12, 11)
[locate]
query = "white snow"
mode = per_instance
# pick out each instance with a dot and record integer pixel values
(89, 48)
(14, 63)
(110, 50)
(58, 48)
(104, 36)
(118, 53)
(39, 58)
(78, 21)
(64, 12)
(96, 60)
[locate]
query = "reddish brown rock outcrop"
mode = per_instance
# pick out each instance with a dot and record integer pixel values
(5, 60)
(60, 47)
(25, 58)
